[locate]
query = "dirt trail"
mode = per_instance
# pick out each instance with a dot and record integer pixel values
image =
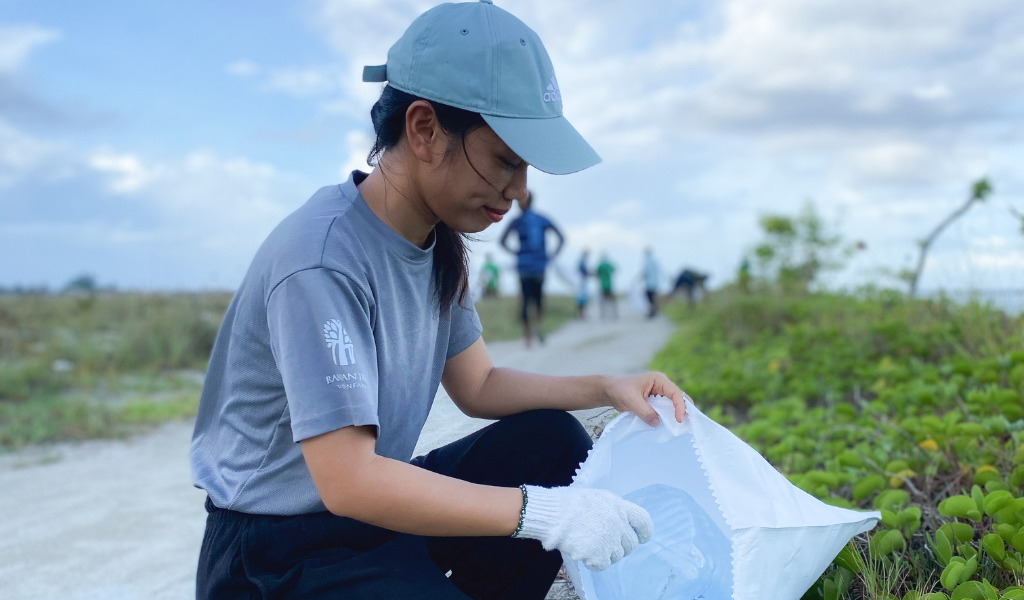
(120, 520)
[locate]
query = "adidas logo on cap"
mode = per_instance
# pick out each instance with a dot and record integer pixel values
(552, 95)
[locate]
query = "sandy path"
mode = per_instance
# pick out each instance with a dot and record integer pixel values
(120, 520)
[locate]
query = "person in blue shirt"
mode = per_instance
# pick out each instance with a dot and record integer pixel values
(531, 260)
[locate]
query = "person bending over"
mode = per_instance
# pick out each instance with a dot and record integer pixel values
(351, 314)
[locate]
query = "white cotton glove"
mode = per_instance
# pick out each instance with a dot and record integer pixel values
(589, 525)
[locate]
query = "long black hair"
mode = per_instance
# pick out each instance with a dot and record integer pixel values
(451, 260)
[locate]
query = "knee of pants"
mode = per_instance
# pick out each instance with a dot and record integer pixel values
(552, 435)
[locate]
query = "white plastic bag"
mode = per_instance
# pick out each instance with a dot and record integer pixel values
(726, 523)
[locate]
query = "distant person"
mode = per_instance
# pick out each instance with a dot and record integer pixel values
(690, 282)
(531, 261)
(652, 278)
(743, 276)
(490, 275)
(609, 304)
(582, 293)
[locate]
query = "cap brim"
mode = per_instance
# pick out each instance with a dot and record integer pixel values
(550, 145)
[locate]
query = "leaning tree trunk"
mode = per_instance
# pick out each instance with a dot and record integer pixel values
(979, 191)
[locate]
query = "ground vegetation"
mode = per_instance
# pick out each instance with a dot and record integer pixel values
(877, 401)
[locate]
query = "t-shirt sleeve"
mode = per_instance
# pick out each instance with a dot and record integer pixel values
(321, 335)
(549, 225)
(465, 327)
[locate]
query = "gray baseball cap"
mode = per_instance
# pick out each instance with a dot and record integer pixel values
(478, 57)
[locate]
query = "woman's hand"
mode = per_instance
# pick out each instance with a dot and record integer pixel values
(630, 392)
(590, 525)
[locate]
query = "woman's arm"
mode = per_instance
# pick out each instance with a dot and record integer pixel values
(591, 525)
(482, 390)
(355, 482)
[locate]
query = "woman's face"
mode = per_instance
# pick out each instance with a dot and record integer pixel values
(474, 188)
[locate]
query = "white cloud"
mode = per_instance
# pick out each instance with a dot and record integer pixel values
(298, 82)
(935, 91)
(357, 147)
(126, 172)
(242, 68)
(302, 82)
(18, 41)
(203, 200)
(893, 160)
(22, 155)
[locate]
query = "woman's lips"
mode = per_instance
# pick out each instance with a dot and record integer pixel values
(494, 215)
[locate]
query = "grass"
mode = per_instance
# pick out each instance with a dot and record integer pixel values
(874, 401)
(103, 365)
(500, 316)
(112, 364)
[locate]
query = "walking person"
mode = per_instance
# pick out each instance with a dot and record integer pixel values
(652, 279)
(583, 292)
(609, 303)
(531, 261)
(491, 275)
(351, 314)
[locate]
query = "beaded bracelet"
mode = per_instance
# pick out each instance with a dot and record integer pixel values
(522, 513)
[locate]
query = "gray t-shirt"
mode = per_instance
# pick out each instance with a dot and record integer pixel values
(334, 324)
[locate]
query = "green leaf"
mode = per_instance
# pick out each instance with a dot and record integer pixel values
(971, 567)
(837, 501)
(891, 499)
(849, 458)
(978, 496)
(843, 578)
(967, 551)
(971, 590)
(867, 485)
(911, 520)
(950, 577)
(994, 547)
(943, 548)
(849, 559)
(1017, 541)
(958, 506)
(1005, 531)
(996, 501)
(1013, 565)
(829, 590)
(886, 542)
(957, 532)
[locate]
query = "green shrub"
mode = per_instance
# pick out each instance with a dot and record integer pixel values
(874, 401)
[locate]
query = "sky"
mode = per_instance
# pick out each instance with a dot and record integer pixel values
(154, 145)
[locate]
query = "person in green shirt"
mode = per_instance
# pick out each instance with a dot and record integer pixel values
(489, 274)
(609, 304)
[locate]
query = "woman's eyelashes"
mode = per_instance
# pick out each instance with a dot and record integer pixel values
(509, 164)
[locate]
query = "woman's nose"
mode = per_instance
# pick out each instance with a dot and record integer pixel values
(516, 189)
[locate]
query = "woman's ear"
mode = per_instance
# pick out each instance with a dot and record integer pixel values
(426, 139)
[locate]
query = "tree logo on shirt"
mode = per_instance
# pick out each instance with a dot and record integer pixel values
(343, 352)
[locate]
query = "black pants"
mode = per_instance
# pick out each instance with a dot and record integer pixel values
(533, 293)
(322, 555)
(652, 303)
